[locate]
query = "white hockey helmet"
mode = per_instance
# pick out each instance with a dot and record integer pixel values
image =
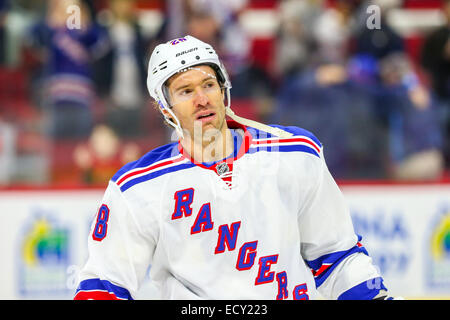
(178, 55)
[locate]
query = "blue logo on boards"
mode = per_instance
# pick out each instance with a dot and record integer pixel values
(386, 236)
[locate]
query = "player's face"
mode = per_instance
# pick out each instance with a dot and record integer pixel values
(197, 100)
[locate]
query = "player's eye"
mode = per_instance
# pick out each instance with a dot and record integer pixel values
(185, 92)
(210, 85)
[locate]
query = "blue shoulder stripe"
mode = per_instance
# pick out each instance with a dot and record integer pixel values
(161, 153)
(288, 148)
(155, 174)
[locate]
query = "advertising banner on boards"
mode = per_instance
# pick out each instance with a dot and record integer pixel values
(406, 230)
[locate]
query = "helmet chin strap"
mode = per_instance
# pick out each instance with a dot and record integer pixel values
(244, 121)
(176, 125)
(257, 125)
(254, 124)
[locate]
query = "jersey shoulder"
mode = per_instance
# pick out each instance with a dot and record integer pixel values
(299, 155)
(296, 132)
(152, 157)
(301, 142)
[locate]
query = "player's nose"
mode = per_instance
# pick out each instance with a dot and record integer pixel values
(200, 98)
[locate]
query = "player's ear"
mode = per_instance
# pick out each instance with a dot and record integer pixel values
(167, 115)
(163, 112)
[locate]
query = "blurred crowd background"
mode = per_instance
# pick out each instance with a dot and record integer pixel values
(372, 83)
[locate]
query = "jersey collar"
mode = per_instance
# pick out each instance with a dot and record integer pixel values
(244, 147)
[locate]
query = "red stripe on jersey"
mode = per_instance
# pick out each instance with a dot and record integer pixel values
(95, 295)
(148, 169)
(321, 270)
(287, 141)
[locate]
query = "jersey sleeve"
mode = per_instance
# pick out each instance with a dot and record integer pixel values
(341, 266)
(119, 252)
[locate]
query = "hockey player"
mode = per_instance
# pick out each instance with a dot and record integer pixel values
(233, 210)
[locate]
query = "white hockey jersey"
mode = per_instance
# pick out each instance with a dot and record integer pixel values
(270, 223)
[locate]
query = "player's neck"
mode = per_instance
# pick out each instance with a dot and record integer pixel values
(210, 147)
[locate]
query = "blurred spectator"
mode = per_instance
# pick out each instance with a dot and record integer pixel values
(121, 73)
(217, 23)
(333, 31)
(378, 42)
(102, 155)
(294, 39)
(174, 23)
(436, 61)
(415, 136)
(335, 102)
(338, 79)
(19, 16)
(66, 54)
